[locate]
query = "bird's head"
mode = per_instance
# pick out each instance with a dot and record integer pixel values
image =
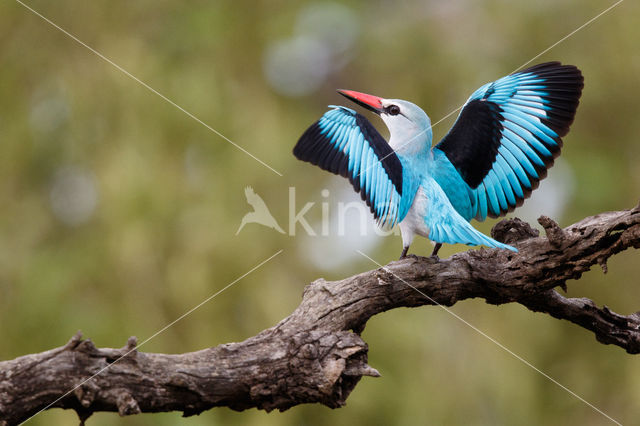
(409, 126)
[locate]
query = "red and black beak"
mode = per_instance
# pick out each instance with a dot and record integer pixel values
(370, 102)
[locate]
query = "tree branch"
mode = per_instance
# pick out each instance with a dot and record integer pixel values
(316, 354)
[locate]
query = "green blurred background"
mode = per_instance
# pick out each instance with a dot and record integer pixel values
(119, 212)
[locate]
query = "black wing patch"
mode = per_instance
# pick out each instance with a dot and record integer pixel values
(473, 142)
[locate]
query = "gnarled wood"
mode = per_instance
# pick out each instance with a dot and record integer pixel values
(316, 354)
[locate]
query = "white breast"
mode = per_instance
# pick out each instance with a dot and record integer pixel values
(413, 223)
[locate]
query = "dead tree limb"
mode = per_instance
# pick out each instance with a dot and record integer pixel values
(316, 354)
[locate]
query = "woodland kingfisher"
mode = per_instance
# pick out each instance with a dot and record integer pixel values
(504, 140)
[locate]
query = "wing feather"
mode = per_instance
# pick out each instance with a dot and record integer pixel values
(345, 143)
(507, 136)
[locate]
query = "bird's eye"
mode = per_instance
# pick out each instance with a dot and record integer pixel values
(393, 110)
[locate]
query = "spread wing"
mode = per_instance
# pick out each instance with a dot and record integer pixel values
(506, 137)
(345, 143)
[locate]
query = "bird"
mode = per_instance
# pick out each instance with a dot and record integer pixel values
(260, 213)
(501, 145)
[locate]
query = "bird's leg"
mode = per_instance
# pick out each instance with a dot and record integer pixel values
(404, 252)
(434, 254)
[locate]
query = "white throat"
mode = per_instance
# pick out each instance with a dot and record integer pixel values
(406, 137)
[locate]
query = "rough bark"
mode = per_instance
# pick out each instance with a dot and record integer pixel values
(316, 355)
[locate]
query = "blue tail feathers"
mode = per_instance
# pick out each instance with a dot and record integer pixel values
(461, 232)
(446, 225)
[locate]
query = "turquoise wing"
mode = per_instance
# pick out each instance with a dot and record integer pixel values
(345, 143)
(506, 138)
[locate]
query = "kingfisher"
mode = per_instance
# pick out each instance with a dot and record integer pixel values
(504, 140)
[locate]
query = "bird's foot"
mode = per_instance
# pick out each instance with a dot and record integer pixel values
(410, 256)
(435, 257)
(434, 254)
(404, 253)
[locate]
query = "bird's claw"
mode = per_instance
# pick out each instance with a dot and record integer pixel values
(404, 253)
(410, 256)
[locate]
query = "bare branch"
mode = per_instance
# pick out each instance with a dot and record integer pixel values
(316, 354)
